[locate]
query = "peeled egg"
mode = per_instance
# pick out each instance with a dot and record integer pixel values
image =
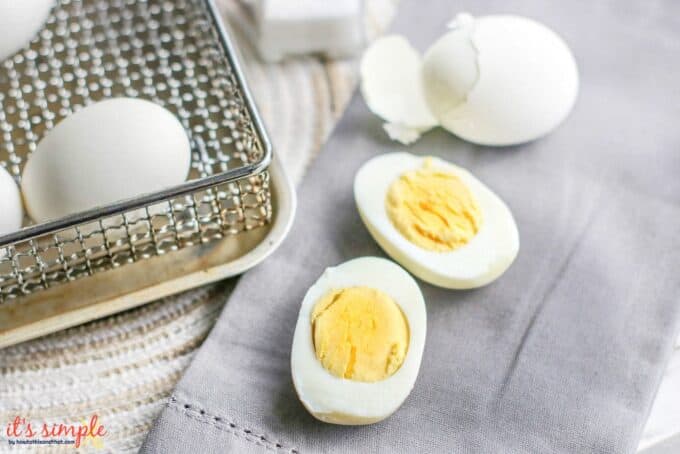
(109, 151)
(500, 80)
(436, 219)
(20, 21)
(11, 211)
(358, 342)
(493, 80)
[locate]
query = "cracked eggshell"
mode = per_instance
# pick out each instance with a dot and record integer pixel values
(451, 71)
(348, 402)
(392, 88)
(11, 210)
(110, 151)
(20, 21)
(500, 80)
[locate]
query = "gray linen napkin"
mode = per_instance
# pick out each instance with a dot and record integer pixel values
(564, 352)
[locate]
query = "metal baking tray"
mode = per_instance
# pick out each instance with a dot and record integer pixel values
(174, 53)
(126, 287)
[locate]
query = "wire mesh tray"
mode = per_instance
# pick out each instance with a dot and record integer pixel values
(174, 53)
(103, 294)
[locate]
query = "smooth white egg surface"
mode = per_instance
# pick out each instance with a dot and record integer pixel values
(11, 210)
(436, 219)
(500, 79)
(358, 342)
(109, 151)
(20, 21)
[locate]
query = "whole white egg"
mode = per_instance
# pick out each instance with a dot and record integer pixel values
(500, 80)
(20, 21)
(480, 254)
(11, 211)
(109, 151)
(367, 342)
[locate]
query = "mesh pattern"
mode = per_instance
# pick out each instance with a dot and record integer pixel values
(168, 52)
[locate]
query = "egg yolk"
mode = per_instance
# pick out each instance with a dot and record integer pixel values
(359, 333)
(433, 209)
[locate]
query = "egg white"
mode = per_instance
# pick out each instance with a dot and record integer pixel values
(342, 401)
(482, 260)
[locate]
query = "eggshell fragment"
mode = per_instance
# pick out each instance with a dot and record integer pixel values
(110, 151)
(451, 70)
(20, 21)
(392, 88)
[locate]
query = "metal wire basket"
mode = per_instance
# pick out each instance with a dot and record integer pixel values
(174, 53)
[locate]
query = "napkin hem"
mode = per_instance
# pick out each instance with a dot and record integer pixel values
(225, 424)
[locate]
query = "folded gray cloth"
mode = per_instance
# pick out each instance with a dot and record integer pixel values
(561, 354)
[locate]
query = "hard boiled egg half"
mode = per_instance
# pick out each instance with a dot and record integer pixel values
(436, 219)
(358, 342)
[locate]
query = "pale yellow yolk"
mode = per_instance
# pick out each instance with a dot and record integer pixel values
(433, 209)
(359, 333)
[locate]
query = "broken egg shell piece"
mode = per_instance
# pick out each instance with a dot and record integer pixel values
(450, 68)
(401, 133)
(392, 88)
